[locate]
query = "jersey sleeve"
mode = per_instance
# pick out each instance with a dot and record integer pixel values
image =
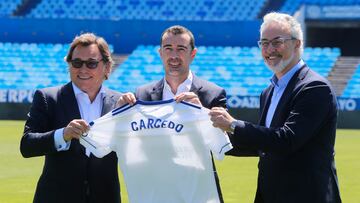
(216, 139)
(99, 140)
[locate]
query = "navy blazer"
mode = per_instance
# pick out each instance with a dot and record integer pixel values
(67, 176)
(210, 95)
(297, 151)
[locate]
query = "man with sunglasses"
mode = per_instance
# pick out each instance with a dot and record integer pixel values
(60, 115)
(295, 136)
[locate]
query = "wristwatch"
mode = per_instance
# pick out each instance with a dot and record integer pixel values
(233, 125)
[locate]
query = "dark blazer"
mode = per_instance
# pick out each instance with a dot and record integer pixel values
(68, 176)
(297, 152)
(210, 95)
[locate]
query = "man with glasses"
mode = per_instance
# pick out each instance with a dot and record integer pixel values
(295, 136)
(60, 115)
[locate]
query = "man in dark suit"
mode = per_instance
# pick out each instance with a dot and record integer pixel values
(177, 51)
(296, 133)
(60, 115)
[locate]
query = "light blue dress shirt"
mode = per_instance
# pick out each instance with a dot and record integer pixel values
(279, 88)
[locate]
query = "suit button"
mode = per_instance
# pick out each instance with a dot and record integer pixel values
(87, 188)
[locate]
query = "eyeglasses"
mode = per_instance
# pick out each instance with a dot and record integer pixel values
(90, 64)
(276, 43)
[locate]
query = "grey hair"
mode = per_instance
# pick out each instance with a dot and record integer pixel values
(282, 18)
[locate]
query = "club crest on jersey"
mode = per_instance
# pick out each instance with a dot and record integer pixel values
(151, 123)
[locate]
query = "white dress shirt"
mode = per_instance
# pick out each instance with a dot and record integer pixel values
(89, 111)
(183, 87)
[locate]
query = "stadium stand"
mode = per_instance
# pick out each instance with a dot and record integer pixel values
(240, 70)
(290, 6)
(227, 30)
(8, 6)
(352, 89)
(31, 66)
(206, 10)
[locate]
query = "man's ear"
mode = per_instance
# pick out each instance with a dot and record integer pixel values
(298, 44)
(159, 50)
(107, 71)
(193, 53)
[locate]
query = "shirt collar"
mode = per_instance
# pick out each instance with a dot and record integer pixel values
(186, 84)
(78, 91)
(284, 80)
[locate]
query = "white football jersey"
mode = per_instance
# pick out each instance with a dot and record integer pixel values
(163, 149)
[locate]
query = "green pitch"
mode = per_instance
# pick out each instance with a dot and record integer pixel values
(18, 176)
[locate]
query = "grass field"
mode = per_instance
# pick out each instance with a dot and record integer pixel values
(18, 176)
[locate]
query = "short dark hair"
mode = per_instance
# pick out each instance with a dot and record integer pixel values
(178, 30)
(88, 39)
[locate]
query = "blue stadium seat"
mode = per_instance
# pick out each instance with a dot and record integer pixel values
(204, 10)
(240, 70)
(291, 6)
(7, 7)
(352, 89)
(29, 66)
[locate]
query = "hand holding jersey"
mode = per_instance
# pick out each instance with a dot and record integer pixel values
(221, 118)
(126, 98)
(75, 129)
(190, 97)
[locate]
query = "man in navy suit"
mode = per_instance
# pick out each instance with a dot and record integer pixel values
(177, 51)
(295, 136)
(60, 115)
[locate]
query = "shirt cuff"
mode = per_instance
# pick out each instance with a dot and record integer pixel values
(60, 144)
(239, 124)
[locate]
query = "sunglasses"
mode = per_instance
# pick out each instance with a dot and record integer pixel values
(90, 64)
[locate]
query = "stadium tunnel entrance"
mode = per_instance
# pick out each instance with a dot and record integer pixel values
(342, 34)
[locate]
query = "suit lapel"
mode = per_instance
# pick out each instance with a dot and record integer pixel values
(195, 86)
(108, 102)
(69, 103)
(266, 99)
(157, 91)
(107, 105)
(283, 103)
(72, 111)
(70, 106)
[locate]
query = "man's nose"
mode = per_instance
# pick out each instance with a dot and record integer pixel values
(174, 54)
(270, 48)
